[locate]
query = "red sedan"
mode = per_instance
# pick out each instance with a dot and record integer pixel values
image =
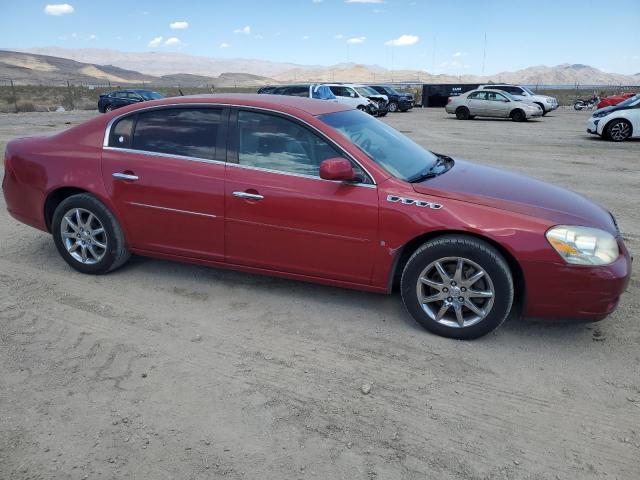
(317, 191)
(614, 100)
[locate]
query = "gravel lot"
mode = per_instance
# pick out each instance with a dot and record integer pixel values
(164, 370)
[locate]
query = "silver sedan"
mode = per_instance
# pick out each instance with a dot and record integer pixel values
(491, 103)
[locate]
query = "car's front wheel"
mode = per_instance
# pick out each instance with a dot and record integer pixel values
(393, 106)
(88, 236)
(518, 115)
(618, 130)
(458, 286)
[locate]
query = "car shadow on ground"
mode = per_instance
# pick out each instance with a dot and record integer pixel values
(387, 307)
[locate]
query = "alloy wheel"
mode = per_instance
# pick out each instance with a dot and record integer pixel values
(620, 131)
(455, 292)
(83, 236)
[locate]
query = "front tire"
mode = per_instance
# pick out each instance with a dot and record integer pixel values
(518, 115)
(457, 287)
(88, 236)
(462, 113)
(618, 130)
(393, 106)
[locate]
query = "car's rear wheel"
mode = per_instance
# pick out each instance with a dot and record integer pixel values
(518, 115)
(462, 113)
(393, 106)
(618, 130)
(457, 286)
(544, 112)
(88, 236)
(108, 108)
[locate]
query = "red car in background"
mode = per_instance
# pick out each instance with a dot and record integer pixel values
(614, 100)
(317, 191)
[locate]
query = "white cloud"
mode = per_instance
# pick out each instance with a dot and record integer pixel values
(363, 1)
(92, 36)
(173, 42)
(181, 25)
(246, 30)
(258, 37)
(224, 45)
(356, 40)
(316, 1)
(459, 54)
(306, 37)
(339, 36)
(58, 9)
(74, 35)
(155, 42)
(403, 41)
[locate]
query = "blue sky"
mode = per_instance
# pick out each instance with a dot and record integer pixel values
(444, 36)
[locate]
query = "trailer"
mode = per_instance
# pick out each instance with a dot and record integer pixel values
(436, 94)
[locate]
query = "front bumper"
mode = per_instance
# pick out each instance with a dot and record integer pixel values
(405, 104)
(592, 125)
(563, 291)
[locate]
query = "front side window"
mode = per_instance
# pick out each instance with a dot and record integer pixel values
(189, 132)
(496, 97)
(275, 143)
(478, 96)
(396, 153)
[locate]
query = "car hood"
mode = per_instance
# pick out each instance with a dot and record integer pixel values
(497, 188)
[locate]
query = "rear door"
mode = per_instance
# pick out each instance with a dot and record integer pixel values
(477, 103)
(280, 215)
(164, 171)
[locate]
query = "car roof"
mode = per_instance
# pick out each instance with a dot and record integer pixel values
(265, 100)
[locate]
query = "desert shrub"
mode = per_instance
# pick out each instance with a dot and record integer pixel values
(26, 107)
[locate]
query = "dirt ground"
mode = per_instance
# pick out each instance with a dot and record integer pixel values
(163, 370)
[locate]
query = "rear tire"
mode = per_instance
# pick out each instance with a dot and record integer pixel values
(579, 105)
(462, 113)
(470, 312)
(108, 108)
(618, 130)
(518, 115)
(88, 236)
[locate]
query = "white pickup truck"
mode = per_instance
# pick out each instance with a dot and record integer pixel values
(546, 103)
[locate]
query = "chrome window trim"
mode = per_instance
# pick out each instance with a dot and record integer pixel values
(105, 142)
(165, 155)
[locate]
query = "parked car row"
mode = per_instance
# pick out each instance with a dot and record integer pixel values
(376, 100)
(121, 98)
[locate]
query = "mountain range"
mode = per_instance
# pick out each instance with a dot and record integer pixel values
(102, 66)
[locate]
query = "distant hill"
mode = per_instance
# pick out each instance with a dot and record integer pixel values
(99, 66)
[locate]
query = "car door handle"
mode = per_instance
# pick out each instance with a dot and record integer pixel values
(248, 196)
(125, 176)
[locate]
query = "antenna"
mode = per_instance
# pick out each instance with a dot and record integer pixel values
(433, 59)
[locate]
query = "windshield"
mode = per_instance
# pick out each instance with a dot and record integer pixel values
(528, 90)
(509, 96)
(629, 101)
(151, 95)
(391, 91)
(366, 91)
(396, 153)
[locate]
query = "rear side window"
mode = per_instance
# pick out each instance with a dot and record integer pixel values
(122, 133)
(189, 132)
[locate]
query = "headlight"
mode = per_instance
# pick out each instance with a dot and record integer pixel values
(600, 114)
(549, 100)
(583, 245)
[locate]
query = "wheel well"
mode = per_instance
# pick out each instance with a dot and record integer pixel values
(407, 250)
(462, 107)
(516, 110)
(54, 199)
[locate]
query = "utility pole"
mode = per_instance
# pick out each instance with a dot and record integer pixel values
(70, 95)
(484, 52)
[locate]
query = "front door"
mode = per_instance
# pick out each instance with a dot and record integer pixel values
(164, 171)
(280, 215)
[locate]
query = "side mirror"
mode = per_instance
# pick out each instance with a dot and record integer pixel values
(337, 169)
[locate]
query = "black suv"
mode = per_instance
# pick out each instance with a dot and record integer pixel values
(397, 100)
(122, 98)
